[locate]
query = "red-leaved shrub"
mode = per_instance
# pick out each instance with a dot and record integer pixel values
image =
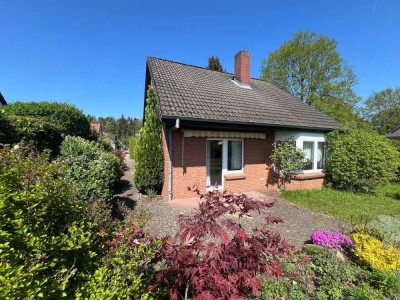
(212, 257)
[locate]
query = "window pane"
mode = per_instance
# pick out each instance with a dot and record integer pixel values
(308, 149)
(235, 160)
(321, 155)
(214, 162)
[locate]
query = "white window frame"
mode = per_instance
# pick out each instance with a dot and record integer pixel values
(225, 170)
(300, 138)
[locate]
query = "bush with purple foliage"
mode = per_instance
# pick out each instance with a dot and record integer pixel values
(330, 239)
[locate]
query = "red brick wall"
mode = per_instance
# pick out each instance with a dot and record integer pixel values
(189, 166)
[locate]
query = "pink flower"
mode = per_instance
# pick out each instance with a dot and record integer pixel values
(330, 239)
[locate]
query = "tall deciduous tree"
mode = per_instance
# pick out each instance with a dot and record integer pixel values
(149, 157)
(214, 64)
(311, 69)
(382, 109)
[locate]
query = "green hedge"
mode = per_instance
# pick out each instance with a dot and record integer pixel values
(93, 170)
(361, 160)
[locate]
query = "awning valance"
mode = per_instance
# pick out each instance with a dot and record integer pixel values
(225, 134)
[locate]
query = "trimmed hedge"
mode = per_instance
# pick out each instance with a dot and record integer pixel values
(93, 170)
(361, 160)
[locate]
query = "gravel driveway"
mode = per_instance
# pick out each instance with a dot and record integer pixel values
(299, 222)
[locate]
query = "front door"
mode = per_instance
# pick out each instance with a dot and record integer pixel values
(214, 162)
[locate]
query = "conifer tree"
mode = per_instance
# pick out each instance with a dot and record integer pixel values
(214, 64)
(149, 157)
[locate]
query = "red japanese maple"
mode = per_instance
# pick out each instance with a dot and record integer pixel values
(212, 257)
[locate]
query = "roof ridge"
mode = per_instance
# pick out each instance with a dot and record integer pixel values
(189, 65)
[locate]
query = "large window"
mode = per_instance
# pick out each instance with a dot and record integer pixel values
(315, 153)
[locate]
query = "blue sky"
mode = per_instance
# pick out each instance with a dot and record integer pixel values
(92, 53)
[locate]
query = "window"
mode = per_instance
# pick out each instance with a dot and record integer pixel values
(308, 149)
(235, 159)
(224, 156)
(321, 155)
(315, 153)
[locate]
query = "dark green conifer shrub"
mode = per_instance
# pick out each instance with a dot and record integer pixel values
(149, 156)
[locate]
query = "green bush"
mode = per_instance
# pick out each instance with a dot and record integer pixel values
(149, 157)
(93, 171)
(46, 248)
(132, 144)
(388, 227)
(126, 272)
(361, 160)
(69, 119)
(287, 159)
(363, 292)
(7, 131)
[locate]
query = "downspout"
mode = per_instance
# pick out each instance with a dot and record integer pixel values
(170, 129)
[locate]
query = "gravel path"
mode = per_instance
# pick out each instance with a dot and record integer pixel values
(299, 222)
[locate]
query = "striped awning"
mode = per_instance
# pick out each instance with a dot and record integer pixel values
(224, 134)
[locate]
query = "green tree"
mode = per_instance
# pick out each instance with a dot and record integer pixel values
(149, 157)
(311, 69)
(287, 159)
(382, 109)
(214, 64)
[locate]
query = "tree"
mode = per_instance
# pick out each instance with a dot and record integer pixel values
(287, 159)
(311, 69)
(214, 64)
(382, 109)
(149, 156)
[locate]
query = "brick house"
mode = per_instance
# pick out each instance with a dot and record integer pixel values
(220, 128)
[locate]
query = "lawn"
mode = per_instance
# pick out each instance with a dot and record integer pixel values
(349, 206)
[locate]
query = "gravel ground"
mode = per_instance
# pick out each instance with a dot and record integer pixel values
(299, 222)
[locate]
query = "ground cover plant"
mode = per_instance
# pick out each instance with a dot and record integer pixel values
(349, 206)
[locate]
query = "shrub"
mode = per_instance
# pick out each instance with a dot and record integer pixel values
(214, 258)
(126, 272)
(7, 131)
(374, 253)
(388, 226)
(46, 248)
(361, 160)
(287, 159)
(93, 170)
(149, 157)
(132, 144)
(69, 119)
(330, 239)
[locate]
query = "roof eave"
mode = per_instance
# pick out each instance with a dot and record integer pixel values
(269, 125)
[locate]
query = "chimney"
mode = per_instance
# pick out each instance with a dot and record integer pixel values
(242, 67)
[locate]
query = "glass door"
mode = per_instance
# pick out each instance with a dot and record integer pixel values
(214, 162)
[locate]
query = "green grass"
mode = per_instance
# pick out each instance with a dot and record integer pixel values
(349, 206)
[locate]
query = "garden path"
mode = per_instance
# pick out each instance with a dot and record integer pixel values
(299, 222)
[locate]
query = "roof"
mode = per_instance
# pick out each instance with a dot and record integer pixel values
(394, 133)
(97, 127)
(2, 100)
(195, 93)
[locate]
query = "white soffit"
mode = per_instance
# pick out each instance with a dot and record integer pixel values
(224, 134)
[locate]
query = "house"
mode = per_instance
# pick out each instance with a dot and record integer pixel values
(394, 134)
(98, 128)
(2, 100)
(220, 128)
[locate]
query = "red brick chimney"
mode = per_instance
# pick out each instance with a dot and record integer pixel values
(242, 67)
